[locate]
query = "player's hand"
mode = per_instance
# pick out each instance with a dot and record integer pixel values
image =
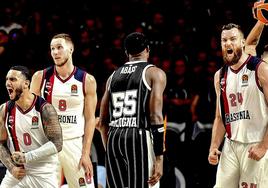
(213, 157)
(18, 172)
(18, 158)
(86, 163)
(257, 151)
(157, 170)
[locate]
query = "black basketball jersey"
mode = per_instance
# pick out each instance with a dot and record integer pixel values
(129, 96)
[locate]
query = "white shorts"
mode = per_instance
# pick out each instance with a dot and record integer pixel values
(29, 181)
(69, 160)
(235, 169)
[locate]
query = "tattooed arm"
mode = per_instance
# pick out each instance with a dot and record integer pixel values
(53, 132)
(52, 126)
(5, 156)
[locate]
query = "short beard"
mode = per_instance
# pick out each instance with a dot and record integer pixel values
(237, 56)
(18, 94)
(63, 63)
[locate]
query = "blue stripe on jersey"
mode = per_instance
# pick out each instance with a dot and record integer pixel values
(79, 74)
(253, 62)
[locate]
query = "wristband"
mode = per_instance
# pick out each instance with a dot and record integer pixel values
(45, 150)
(158, 138)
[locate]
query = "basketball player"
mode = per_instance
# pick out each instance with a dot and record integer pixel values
(130, 113)
(72, 92)
(33, 134)
(241, 114)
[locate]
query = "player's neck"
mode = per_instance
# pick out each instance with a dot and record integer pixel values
(65, 71)
(26, 100)
(143, 56)
(241, 61)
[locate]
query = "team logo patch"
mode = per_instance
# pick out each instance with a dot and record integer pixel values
(34, 122)
(74, 89)
(244, 80)
(81, 182)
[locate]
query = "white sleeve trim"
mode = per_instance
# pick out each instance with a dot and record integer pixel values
(143, 77)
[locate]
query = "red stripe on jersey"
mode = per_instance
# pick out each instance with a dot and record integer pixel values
(226, 107)
(13, 128)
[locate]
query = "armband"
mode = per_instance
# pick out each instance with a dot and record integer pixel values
(158, 138)
(45, 150)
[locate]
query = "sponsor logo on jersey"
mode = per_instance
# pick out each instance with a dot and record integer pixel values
(34, 122)
(81, 182)
(244, 80)
(222, 84)
(124, 122)
(237, 116)
(11, 119)
(67, 119)
(74, 89)
(48, 88)
(48, 85)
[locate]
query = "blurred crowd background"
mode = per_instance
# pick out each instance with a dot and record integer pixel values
(184, 39)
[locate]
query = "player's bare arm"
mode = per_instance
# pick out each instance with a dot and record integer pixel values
(36, 83)
(218, 130)
(256, 152)
(253, 38)
(89, 113)
(157, 80)
(103, 126)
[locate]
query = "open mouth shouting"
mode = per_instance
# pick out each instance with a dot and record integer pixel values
(10, 91)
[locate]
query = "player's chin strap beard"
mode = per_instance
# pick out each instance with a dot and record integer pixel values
(18, 94)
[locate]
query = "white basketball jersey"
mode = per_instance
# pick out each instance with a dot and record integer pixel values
(26, 133)
(243, 106)
(67, 97)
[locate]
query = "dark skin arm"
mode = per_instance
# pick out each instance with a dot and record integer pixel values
(102, 124)
(157, 80)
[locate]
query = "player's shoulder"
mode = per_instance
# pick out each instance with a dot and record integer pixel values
(38, 74)
(90, 77)
(3, 107)
(155, 71)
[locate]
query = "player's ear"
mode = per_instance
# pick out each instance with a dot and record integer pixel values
(27, 83)
(243, 42)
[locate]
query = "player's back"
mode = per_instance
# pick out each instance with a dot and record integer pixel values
(129, 96)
